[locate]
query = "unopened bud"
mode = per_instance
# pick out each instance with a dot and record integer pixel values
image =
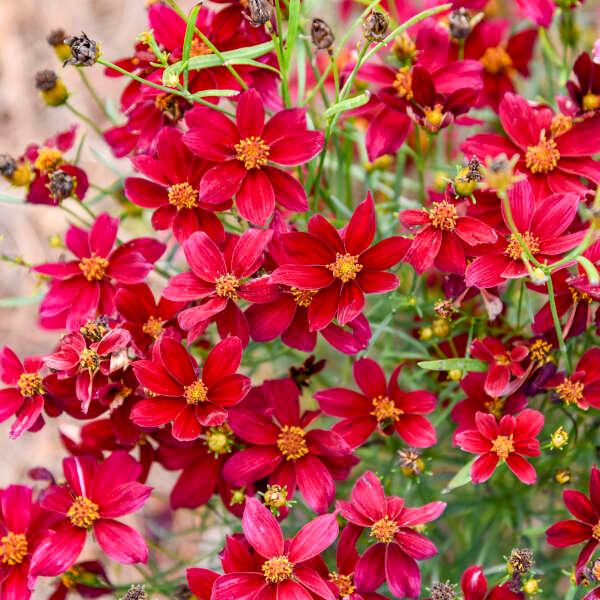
(375, 26)
(562, 476)
(321, 34)
(459, 23)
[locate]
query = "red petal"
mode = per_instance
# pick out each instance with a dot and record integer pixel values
(250, 114)
(483, 467)
(386, 253)
(368, 496)
(568, 533)
(58, 551)
(402, 573)
(204, 257)
(314, 537)
(224, 359)
(262, 529)
(256, 199)
(315, 483)
(580, 507)
(156, 378)
(121, 542)
(297, 148)
(154, 412)
(247, 255)
(360, 231)
(177, 360)
(521, 468)
(416, 431)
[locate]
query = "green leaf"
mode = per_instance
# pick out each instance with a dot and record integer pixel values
(292, 32)
(461, 478)
(220, 93)
(348, 104)
(449, 364)
(20, 301)
(187, 43)
(590, 269)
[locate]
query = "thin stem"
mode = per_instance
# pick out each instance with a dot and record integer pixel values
(83, 117)
(556, 321)
(95, 97)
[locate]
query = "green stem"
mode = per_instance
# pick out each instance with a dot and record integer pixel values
(557, 325)
(95, 97)
(84, 118)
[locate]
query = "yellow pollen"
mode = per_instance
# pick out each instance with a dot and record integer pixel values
(48, 159)
(514, 249)
(495, 407)
(443, 215)
(153, 327)
(503, 445)
(93, 267)
(226, 286)
(199, 48)
(345, 267)
(13, 548)
(502, 359)
(591, 102)
(219, 440)
(384, 530)
(183, 195)
(434, 117)
(196, 392)
(559, 438)
(544, 157)
(570, 392)
(89, 359)
(94, 331)
(276, 496)
(596, 531)
(303, 297)
(385, 409)
(560, 124)
(496, 60)
(277, 569)
(71, 577)
(291, 442)
(344, 584)
(83, 512)
(403, 83)
(168, 104)
(578, 296)
(30, 384)
(540, 351)
(253, 152)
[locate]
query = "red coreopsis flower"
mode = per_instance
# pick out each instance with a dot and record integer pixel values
(218, 278)
(25, 396)
(83, 288)
(444, 236)
(553, 150)
(397, 546)
(586, 525)
(285, 572)
(340, 266)
(186, 395)
(542, 227)
(379, 405)
(583, 88)
(281, 448)
(247, 150)
(508, 440)
(541, 12)
(474, 586)
(87, 579)
(175, 175)
(93, 495)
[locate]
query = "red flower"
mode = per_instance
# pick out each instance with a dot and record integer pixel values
(284, 573)
(505, 441)
(25, 397)
(542, 228)
(175, 175)
(217, 278)
(397, 545)
(540, 12)
(340, 266)
(246, 149)
(185, 395)
(381, 405)
(94, 494)
(584, 90)
(281, 448)
(444, 237)
(585, 527)
(554, 151)
(474, 586)
(83, 288)
(87, 579)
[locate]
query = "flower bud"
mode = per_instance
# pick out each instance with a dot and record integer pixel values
(559, 438)
(440, 328)
(404, 48)
(136, 592)
(410, 462)
(375, 26)
(459, 23)
(562, 476)
(51, 88)
(17, 173)
(532, 586)
(521, 560)
(455, 374)
(8, 166)
(260, 12)
(84, 51)
(538, 277)
(56, 39)
(321, 35)
(465, 182)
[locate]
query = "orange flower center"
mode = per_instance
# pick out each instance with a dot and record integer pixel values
(591, 102)
(570, 392)
(345, 267)
(13, 548)
(168, 105)
(443, 215)
(219, 439)
(578, 296)
(384, 530)
(276, 496)
(496, 60)
(83, 512)
(196, 392)
(596, 531)
(48, 159)
(540, 351)
(30, 384)
(514, 249)
(403, 83)
(199, 48)
(291, 442)
(89, 359)
(344, 584)
(384, 409)
(544, 157)
(183, 195)
(434, 117)
(560, 124)
(277, 569)
(253, 152)
(226, 286)
(495, 406)
(153, 327)
(503, 445)
(93, 267)
(303, 297)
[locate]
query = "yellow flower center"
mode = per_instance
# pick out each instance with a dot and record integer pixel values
(384, 409)
(226, 286)
(93, 267)
(591, 102)
(403, 83)
(94, 331)
(570, 392)
(344, 584)
(277, 569)
(560, 124)
(153, 327)
(83, 512)
(196, 392)
(13, 548)
(291, 442)
(495, 406)
(496, 60)
(89, 359)
(199, 48)
(596, 531)
(578, 296)
(443, 215)
(168, 105)
(384, 530)
(276, 496)
(303, 297)
(513, 248)
(503, 445)
(345, 267)
(30, 384)
(48, 159)
(253, 152)
(540, 351)
(183, 195)
(219, 440)
(434, 117)
(544, 157)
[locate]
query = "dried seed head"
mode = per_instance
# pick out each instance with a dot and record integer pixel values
(410, 462)
(61, 185)
(375, 26)
(443, 591)
(8, 165)
(84, 51)
(321, 35)
(51, 88)
(520, 561)
(459, 23)
(136, 592)
(259, 12)
(45, 80)
(56, 37)
(183, 592)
